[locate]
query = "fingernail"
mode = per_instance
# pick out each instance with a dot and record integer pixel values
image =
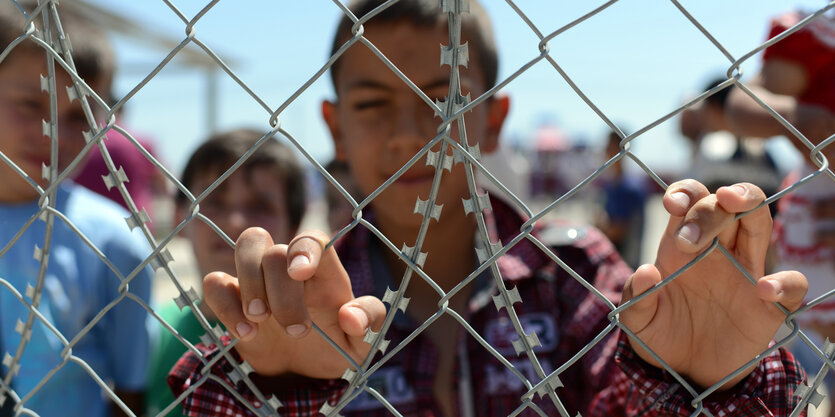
(295, 330)
(257, 307)
(681, 198)
(360, 314)
(740, 189)
(243, 329)
(298, 261)
(690, 232)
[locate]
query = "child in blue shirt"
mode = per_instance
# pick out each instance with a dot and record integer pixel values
(70, 275)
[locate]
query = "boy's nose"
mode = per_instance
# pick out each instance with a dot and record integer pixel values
(70, 143)
(236, 222)
(413, 127)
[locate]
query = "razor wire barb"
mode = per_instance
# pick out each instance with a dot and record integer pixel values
(452, 110)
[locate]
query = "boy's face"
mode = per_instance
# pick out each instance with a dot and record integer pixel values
(249, 197)
(379, 123)
(23, 105)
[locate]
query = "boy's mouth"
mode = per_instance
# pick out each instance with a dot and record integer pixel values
(415, 178)
(37, 160)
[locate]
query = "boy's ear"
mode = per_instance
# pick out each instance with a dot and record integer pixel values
(497, 109)
(331, 116)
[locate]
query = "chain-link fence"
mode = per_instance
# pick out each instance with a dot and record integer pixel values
(440, 152)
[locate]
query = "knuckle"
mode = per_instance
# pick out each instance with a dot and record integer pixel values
(216, 291)
(252, 234)
(214, 278)
(213, 283)
(768, 222)
(318, 235)
(690, 186)
(680, 183)
(275, 261)
(798, 277)
(754, 191)
(706, 207)
(274, 256)
(306, 244)
(314, 235)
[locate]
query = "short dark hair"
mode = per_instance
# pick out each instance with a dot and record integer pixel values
(476, 29)
(720, 97)
(92, 52)
(223, 149)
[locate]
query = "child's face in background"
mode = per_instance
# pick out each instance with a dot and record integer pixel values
(379, 123)
(23, 106)
(249, 197)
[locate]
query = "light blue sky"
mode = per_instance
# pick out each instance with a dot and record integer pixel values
(637, 60)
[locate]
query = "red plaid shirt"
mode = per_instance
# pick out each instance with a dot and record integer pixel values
(563, 314)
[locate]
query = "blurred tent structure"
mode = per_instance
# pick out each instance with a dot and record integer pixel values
(190, 58)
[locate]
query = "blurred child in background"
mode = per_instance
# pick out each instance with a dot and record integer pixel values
(77, 284)
(267, 191)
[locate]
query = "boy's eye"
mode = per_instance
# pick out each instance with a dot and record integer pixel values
(370, 104)
(30, 105)
(212, 204)
(260, 212)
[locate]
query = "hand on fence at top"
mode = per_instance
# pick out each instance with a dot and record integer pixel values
(780, 85)
(283, 298)
(748, 118)
(710, 320)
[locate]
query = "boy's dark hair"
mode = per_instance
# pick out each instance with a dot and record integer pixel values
(720, 97)
(476, 29)
(223, 149)
(91, 50)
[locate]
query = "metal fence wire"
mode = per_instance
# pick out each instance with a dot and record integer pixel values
(453, 108)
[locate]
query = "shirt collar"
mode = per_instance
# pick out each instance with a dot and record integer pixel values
(357, 251)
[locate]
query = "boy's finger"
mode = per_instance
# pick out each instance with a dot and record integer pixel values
(304, 253)
(286, 296)
(681, 195)
(703, 222)
(359, 315)
(330, 286)
(222, 295)
(714, 215)
(741, 197)
(639, 315)
(753, 234)
(785, 287)
(249, 251)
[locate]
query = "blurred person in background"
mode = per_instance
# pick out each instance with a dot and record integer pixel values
(145, 181)
(624, 197)
(267, 191)
(721, 157)
(76, 285)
